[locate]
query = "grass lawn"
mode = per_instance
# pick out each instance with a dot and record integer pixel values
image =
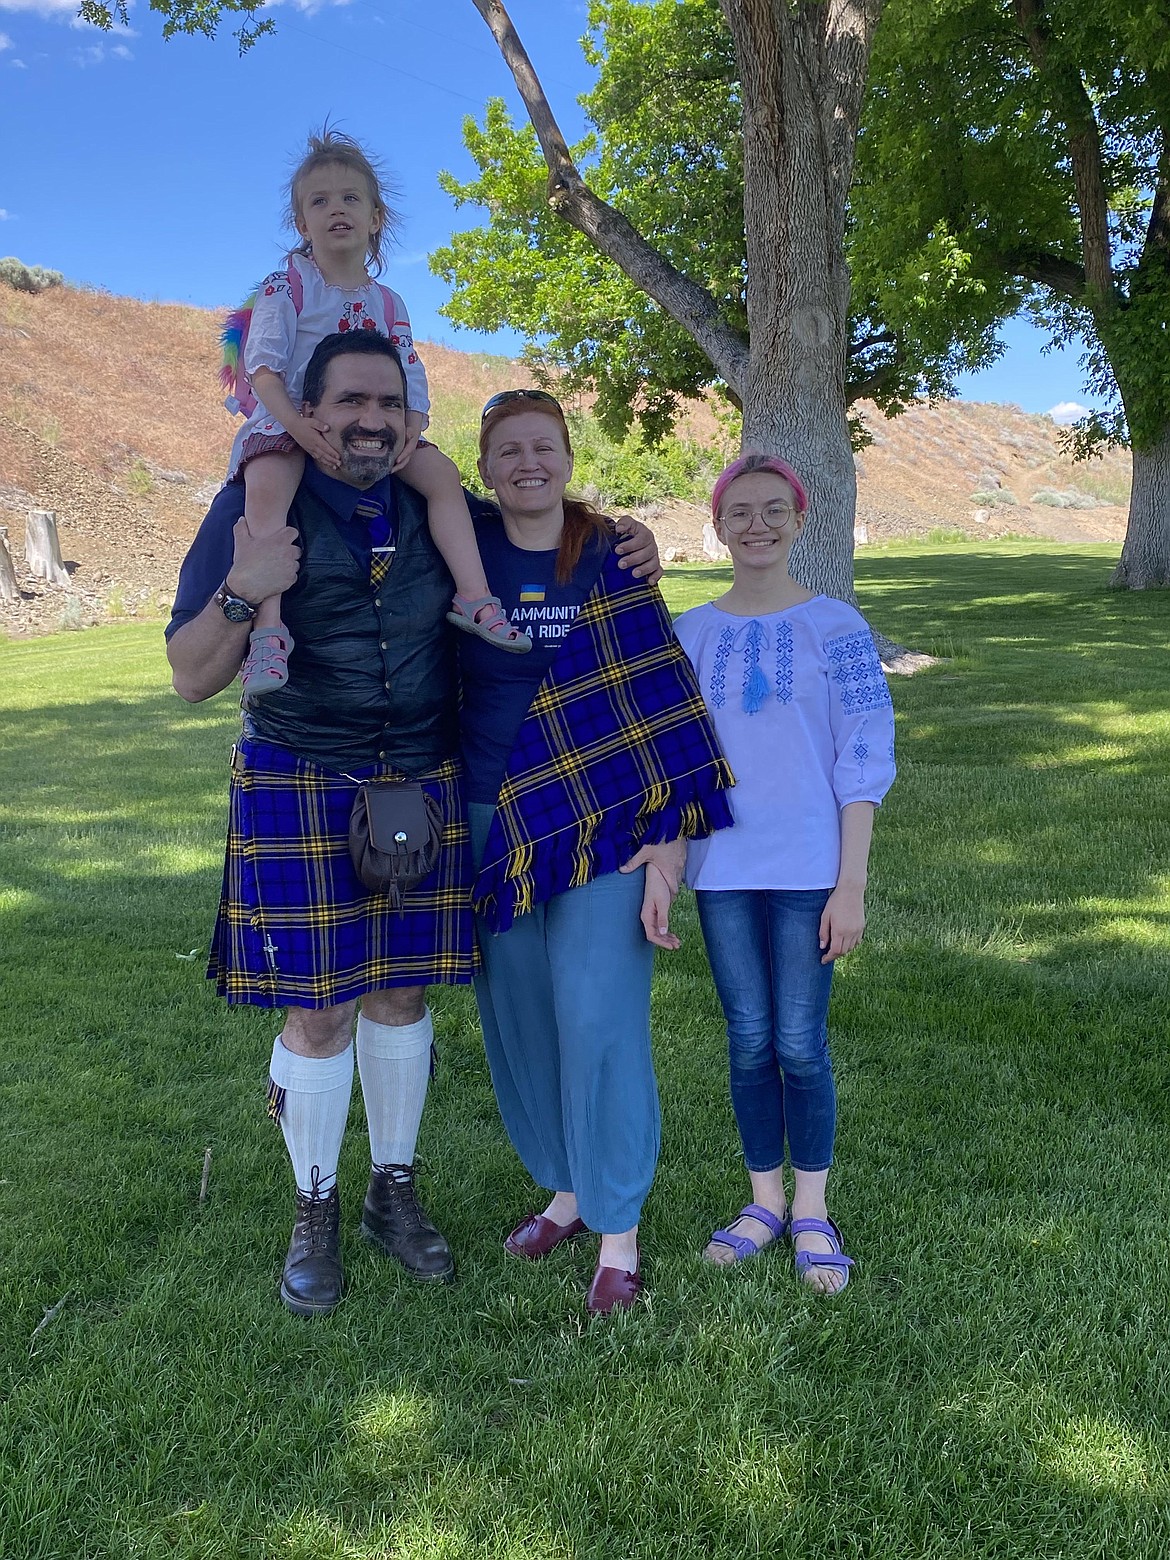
(996, 1380)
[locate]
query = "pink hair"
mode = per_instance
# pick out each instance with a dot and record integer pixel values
(749, 463)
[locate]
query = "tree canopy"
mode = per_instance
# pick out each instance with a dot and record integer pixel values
(666, 147)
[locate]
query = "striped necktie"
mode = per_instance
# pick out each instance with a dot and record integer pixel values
(377, 521)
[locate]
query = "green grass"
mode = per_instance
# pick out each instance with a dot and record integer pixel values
(993, 1384)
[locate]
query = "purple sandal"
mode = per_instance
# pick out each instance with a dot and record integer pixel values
(743, 1246)
(830, 1259)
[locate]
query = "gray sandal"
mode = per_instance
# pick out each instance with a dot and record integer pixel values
(266, 667)
(495, 628)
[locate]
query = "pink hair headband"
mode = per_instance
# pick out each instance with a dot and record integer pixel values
(740, 467)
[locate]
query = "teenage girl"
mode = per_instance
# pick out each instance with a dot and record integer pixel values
(337, 205)
(800, 703)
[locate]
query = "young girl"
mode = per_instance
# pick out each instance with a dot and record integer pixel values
(801, 707)
(337, 205)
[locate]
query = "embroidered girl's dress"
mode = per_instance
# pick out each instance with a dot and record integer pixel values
(282, 340)
(804, 716)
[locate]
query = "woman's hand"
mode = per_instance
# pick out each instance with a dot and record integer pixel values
(842, 922)
(664, 869)
(638, 550)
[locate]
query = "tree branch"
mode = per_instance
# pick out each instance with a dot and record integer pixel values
(1084, 144)
(688, 304)
(879, 338)
(1063, 276)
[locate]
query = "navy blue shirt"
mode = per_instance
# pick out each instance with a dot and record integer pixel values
(498, 687)
(207, 563)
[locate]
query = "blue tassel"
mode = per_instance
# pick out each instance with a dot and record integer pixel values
(755, 691)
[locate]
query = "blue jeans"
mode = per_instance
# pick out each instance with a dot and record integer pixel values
(564, 1002)
(766, 960)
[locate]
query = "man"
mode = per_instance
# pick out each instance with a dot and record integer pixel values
(372, 692)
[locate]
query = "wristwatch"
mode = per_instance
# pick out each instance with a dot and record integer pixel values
(234, 608)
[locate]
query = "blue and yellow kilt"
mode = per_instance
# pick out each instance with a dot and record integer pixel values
(296, 925)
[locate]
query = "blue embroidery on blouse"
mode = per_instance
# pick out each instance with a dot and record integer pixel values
(855, 668)
(860, 747)
(719, 670)
(755, 686)
(784, 663)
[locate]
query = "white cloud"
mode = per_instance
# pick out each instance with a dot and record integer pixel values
(1066, 412)
(99, 53)
(5, 216)
(18, 64)
(5, 41)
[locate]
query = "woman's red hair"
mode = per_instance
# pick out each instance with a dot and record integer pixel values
(582, 520)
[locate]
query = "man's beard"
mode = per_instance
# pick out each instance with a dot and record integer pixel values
(362, 469)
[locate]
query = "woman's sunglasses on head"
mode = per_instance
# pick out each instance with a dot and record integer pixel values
(504, 396)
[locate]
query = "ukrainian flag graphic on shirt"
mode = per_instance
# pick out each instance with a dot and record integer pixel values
(532, 593)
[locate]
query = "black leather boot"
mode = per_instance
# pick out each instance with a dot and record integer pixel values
(312, 1282)
(393, 1220)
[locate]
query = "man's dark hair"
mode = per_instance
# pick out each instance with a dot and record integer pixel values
(342, 343)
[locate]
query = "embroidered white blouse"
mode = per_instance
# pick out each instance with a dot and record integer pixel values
(282, 340)
(801, 706)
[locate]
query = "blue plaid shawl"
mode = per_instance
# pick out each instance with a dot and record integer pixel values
(617, 751)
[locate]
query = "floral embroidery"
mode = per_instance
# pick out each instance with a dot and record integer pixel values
(356, 318)
(857, 672)
(784, 663)
(719, 670)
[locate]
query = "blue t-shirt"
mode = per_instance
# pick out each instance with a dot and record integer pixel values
(498, 687)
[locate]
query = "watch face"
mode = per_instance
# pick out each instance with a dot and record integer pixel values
(235, 610)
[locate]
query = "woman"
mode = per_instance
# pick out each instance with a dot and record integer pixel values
(588, 762)
(802, 710)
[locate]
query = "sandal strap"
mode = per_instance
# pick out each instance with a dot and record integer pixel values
(806, 1259)
(268, 651)
(777, 1225)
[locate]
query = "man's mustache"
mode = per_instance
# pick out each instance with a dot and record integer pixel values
(350, 434)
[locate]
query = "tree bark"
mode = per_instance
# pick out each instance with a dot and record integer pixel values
(9, 589)
(1145, 556)
(42, 549)
(802, 74)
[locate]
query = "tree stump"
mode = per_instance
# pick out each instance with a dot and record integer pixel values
(42, 548)
(9, 589)
(713, 548)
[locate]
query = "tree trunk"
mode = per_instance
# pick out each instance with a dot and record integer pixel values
(800, 87)
(1145, 557)
(42, 549)
(9, 589)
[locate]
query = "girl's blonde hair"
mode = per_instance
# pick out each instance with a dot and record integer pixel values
(331, 146)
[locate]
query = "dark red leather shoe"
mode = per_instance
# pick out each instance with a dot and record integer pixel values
(613, 1289)
(536, 1236)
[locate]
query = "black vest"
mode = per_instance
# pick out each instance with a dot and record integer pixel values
(373, 673)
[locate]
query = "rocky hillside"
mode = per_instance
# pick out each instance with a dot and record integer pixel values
(110, 416)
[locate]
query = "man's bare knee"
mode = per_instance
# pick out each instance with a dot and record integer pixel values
(398, 1005)
(319, 1031)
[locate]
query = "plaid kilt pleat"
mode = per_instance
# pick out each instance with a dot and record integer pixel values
(295, 923)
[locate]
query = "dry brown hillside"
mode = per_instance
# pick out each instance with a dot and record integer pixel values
(110, 415)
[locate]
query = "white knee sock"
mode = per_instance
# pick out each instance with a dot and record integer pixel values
(312, 1111)
(394, 1061)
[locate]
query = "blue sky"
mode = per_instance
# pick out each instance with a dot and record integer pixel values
(156, 169)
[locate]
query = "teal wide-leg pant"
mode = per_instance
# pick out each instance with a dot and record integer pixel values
(564, 1001)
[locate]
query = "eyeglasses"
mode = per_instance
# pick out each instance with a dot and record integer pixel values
(739, 517)
(504, 396)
